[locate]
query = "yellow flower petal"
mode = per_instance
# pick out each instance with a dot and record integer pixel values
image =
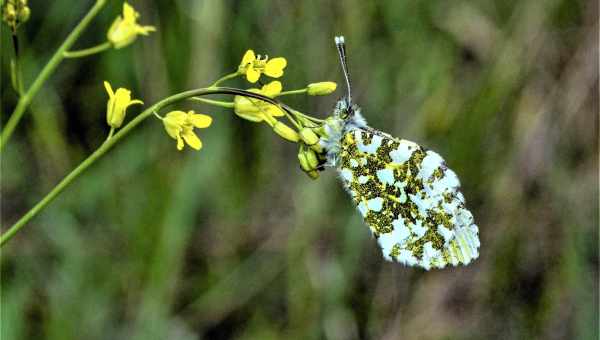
(275, 66)
(178, 116)
(273, 110)
(246, 109)
(173, 130)
(191, 139)
(252, 74)
(145, 30)
(135, 101)
(174, 122)
(128, 12)
(248, 58)
(179, 143)
(253, 117)
(272, 89)
(199, 120)
(109, 89)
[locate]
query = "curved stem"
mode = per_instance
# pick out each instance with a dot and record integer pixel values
(305, 116)
(104, 148)
(227, 77)
(110, 133)
(110, 142)
(228, 105)
(286, 93)
(87, 51)
(58, 56)
(296, 123)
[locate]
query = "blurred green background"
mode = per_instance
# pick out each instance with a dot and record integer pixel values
(235, 242)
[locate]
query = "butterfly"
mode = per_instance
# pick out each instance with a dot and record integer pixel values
(406, 194)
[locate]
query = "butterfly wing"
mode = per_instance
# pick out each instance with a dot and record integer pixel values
(409, 199)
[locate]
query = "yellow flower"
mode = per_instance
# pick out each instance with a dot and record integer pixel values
(321, 89)
(180, 126)
(117, 104)
(257, 110)
(252, 66)
(125, 29)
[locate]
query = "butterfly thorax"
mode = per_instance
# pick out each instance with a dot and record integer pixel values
(344, 119)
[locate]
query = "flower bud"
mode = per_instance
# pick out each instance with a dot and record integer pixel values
(308, 159)
(321, 89)
(9, 14)
(311, 158)
(314, 174)
(24, 14)
(317, 148)
(303, 160)
(309, 136)
(286, 132)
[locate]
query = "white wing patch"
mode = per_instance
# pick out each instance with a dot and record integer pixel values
(409, 198)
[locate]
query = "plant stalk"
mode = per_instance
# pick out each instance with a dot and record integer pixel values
(88, 51)
(110, 142)
(58, 56)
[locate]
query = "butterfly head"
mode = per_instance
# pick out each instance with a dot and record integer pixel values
(345, 110)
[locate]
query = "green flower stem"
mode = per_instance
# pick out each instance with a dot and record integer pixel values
(105, 147)
(16, 76)
(307, 117)
(286, 93)
(228, 105)
(293, 120)
(227, 77)
(58, 56)
(110, 133)
(88, 51)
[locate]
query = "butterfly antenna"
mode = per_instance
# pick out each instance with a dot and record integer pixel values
(341, 47)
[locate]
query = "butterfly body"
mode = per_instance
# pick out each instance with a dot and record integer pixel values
(406, 194)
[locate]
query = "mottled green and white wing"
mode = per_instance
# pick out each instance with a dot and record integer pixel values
(409, 199)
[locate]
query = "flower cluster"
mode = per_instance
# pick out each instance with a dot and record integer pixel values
(256, 110)
(180, 125)
(15, 12)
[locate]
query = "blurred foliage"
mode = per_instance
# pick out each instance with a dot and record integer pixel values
(235, 242)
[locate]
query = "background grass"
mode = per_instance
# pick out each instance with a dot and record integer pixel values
(235, 242)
